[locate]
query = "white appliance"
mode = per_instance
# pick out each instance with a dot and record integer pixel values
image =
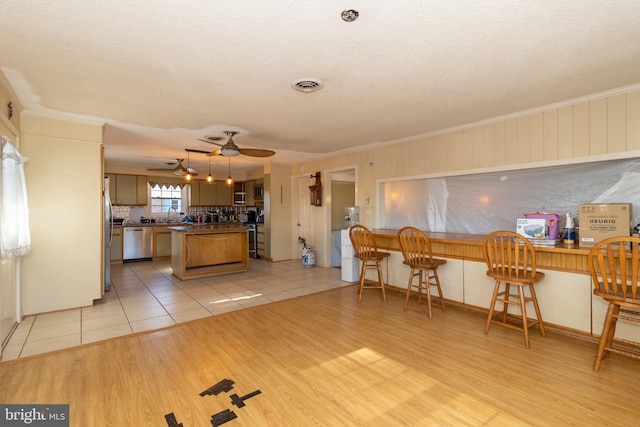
(350, 264)
(107, 235)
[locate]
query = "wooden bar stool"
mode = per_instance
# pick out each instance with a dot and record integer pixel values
(615, 272)
(511, 260)
(366, 250)
(416, 250)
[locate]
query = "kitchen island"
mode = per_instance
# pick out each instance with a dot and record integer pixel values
(209, 250)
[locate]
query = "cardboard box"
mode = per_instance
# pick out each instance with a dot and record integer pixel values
(533, 228)
(598, 222)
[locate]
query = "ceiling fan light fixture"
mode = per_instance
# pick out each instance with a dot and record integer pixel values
(187, 175)
(229, 179)
(230, 148)
(209, 177)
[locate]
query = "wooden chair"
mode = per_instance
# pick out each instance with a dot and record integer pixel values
(416, 250)
(614, 272)
(366, 250)
(511, 260)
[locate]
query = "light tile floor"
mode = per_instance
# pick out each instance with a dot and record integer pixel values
(146, 296)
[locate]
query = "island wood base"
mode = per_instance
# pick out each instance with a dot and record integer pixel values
(203, 251)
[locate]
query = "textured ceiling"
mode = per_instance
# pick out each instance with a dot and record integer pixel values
(164, 73)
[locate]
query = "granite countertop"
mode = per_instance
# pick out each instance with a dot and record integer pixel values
(177, 224)
(219, 226)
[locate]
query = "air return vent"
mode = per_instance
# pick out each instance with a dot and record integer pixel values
(307, 85)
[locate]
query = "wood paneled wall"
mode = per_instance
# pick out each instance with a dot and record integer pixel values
(589, 129)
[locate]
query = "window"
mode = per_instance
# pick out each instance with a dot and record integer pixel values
(163, 198)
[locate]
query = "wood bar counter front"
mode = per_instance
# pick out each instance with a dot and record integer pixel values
(565, 295)
(209, 250)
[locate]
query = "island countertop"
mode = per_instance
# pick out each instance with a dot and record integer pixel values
(210, 227)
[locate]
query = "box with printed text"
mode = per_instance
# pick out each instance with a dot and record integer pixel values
(599, 221)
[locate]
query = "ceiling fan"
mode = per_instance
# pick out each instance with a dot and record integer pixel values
(179, 169)
(231, 149)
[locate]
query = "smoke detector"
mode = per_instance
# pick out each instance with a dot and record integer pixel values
(307, 85)
(350, 15)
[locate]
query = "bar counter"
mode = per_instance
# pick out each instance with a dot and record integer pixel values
(561, 257)
(565, 294)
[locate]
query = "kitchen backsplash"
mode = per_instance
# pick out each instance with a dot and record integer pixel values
(124, 212)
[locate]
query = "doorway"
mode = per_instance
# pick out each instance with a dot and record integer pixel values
(342, 195)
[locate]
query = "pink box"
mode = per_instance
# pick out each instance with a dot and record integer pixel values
(554, 223)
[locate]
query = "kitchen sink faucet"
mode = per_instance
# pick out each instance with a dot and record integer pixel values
(171, 208)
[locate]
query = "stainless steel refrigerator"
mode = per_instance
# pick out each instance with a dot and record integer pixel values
(107, 235)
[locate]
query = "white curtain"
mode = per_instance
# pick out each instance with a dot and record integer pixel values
(15, 238)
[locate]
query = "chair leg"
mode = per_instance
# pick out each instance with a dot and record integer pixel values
(363, 270)
(612, 330)
(437, 279)
(420, 287)
(380, 280)
(505, 306)
(604, 338)
(523, 310)
(537, 308)
(496, 288)
(428, 291)
(409, 287)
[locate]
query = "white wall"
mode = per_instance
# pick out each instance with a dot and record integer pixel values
(64, 185)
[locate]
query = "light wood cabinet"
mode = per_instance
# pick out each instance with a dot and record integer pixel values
(261, 235)
(116, 244)
(215, 194)
(248, 190)
(128, 190)
(224, 196)
(162, 241)
(208, 195)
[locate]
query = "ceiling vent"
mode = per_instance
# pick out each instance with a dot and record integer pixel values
(213, 138)
(306, 85)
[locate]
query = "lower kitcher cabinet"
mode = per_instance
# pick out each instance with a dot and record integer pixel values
(162, 242)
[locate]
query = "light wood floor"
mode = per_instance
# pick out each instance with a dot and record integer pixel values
(327, 360)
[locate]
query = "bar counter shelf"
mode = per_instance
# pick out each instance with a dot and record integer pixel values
(209, 250)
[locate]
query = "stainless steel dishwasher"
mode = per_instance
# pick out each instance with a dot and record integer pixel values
(137, 244)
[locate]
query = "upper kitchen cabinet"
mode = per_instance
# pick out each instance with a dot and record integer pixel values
(224, 193)
(206, 194)
(129, 190)
(248, 189)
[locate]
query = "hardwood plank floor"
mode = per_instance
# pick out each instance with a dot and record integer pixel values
(327, 360)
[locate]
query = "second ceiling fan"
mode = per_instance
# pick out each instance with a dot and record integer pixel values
(231, 149)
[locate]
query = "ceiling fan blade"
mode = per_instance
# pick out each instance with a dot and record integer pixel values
(192, 150)
(210, 142)
(256, 152)
(170, 169)
(215, 152)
